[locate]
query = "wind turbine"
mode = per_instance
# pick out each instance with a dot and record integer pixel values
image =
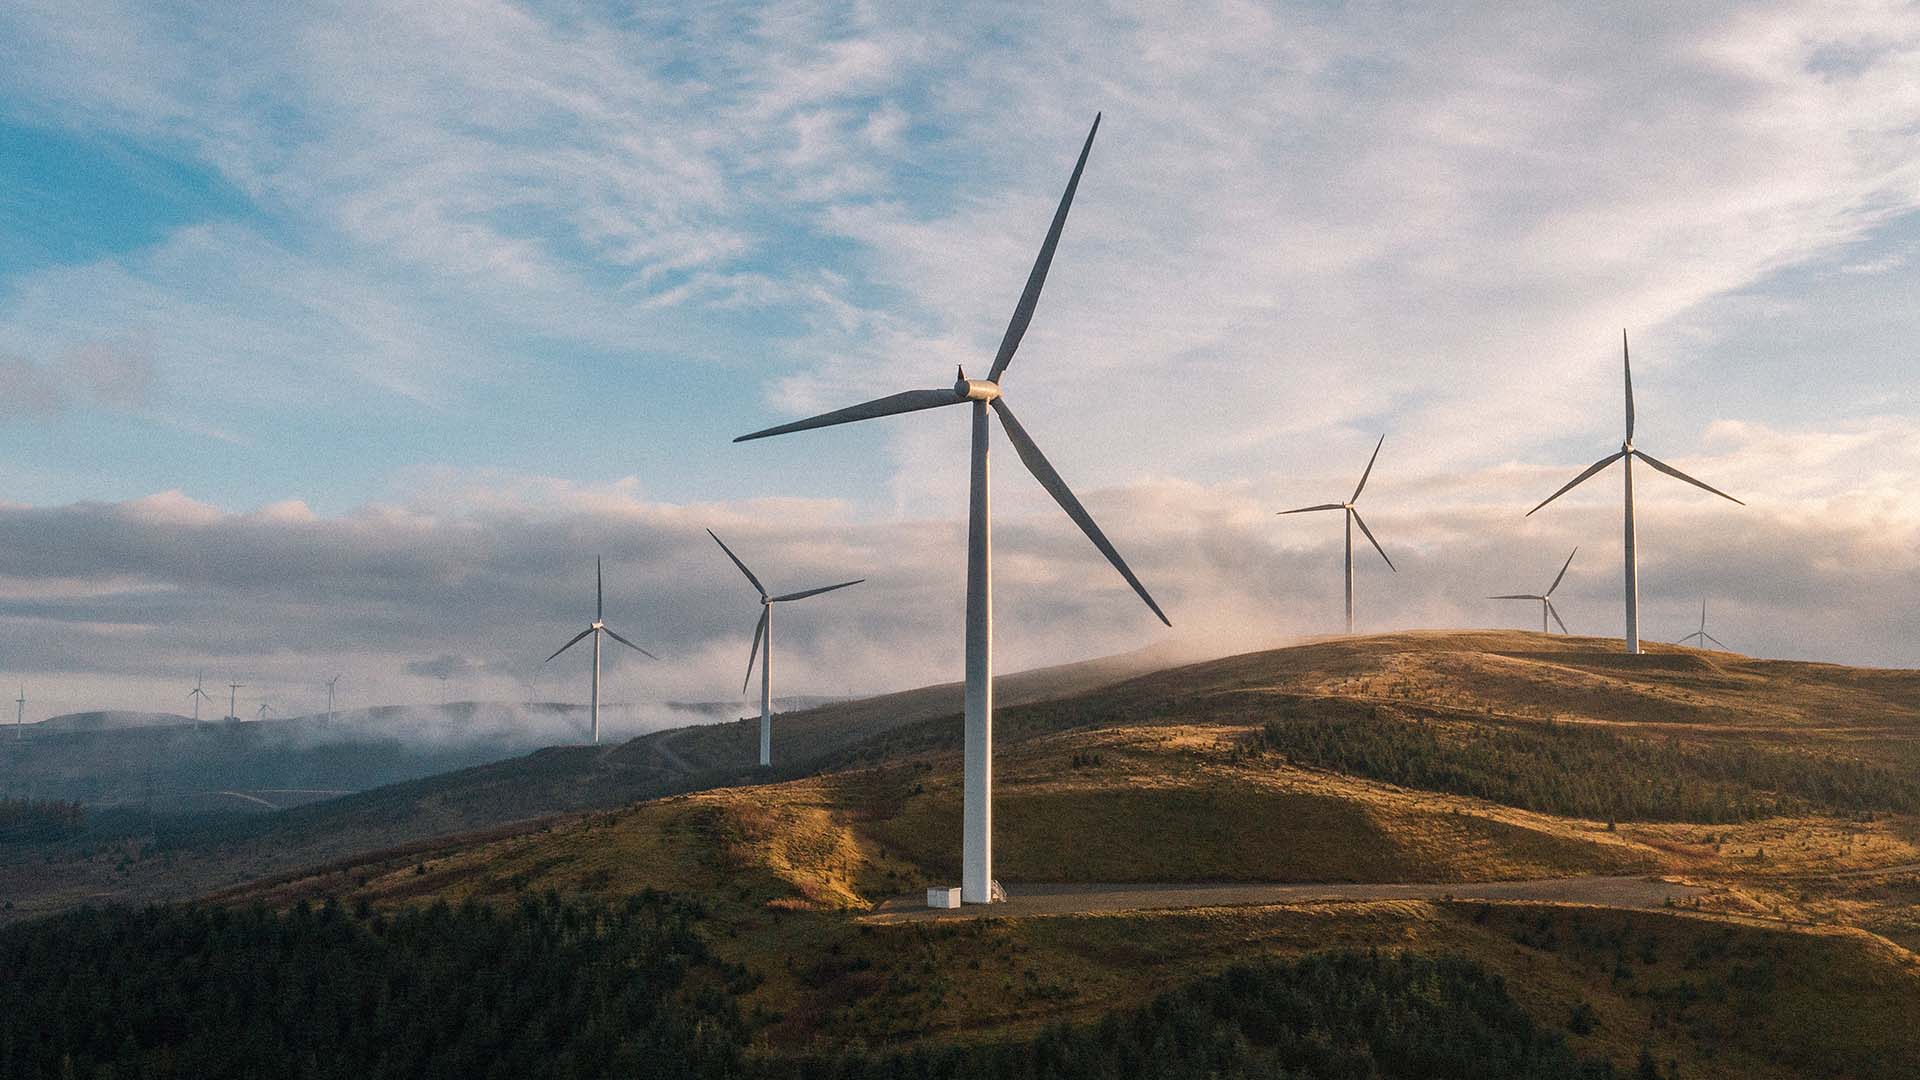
(20, 715)
(765, 627)
(263, 710)
(1625, 456)
(1353, 518)
(197, 694)
(597, 627)
(233, 694)
(1702, 632)
(330, 683)
(976, 876)
(1546, 598)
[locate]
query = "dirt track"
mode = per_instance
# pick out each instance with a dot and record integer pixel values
(1036, 900)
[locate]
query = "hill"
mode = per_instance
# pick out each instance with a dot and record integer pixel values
(220, 833)
(1782, 794)
(108, 720)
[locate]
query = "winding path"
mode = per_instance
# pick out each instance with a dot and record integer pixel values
(1041, 900)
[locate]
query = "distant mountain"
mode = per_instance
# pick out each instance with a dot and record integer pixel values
(110, 720)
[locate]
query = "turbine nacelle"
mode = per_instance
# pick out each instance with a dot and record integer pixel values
(975, 389)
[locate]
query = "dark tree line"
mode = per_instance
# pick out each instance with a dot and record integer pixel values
(548, 988)
(1582, 771)
(35, 821)
(1329, 1016)
(555, 988)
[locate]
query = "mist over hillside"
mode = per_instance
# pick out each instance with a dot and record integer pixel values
(172, 764)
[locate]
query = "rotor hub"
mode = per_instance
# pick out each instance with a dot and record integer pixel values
(975, 389)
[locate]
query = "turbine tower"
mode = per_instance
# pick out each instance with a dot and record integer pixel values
(1625, 456)
(20, 715)
(1701, 633)
(1546, 598)
(330, 683)
(1353, 518)
(976, 877)
(765, 627)
(597, 627)
(233, 695)
(197, 695)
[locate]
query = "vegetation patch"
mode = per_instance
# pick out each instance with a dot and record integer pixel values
(545, 988)
(1342, 1014)
(1583, 771)
(38, 821)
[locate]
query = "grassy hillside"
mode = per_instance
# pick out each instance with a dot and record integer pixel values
(1779, 791)
(220, 837)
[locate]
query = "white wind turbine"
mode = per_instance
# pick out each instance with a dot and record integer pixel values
(20, 715)
(1701, 634)
(1353, 518)
(976, 874)
(1546, 598)
(330, 683)
(264, 709)
(1625, 456)
(233, 699)
(197, 695)
(765, 627)
(597, 627)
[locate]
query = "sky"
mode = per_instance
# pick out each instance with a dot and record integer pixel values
(343, 337)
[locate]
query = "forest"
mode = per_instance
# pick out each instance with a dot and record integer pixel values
(575, 989)
(1581, 771)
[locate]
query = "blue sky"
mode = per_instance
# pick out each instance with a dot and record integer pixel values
(360, 276)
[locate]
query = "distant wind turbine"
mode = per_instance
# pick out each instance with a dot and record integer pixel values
(765, 628)
(233, 695)
(1701, 634)
(330, 683)
(1353, 518)
(597, 627)
(264, 707)
(197, 694)
(20, 715)
(1546, 598)
(1625, 456)
(976, 865)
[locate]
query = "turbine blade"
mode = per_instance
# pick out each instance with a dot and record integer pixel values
(761, 589)
(1563, 572)
(1043, 471)
(1363, 476)
(1357, 520)
(1688, 638)
(1716, 641)
(1678, 475)
(754, 653)
(1626, 368)
(1310, 509)
(804, 593)
(570, 644)
(1555, 612)
(905, 402)
(599, 594)
(1517, 596)
(1029, 297)
(1575, 482)
(629, 644)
